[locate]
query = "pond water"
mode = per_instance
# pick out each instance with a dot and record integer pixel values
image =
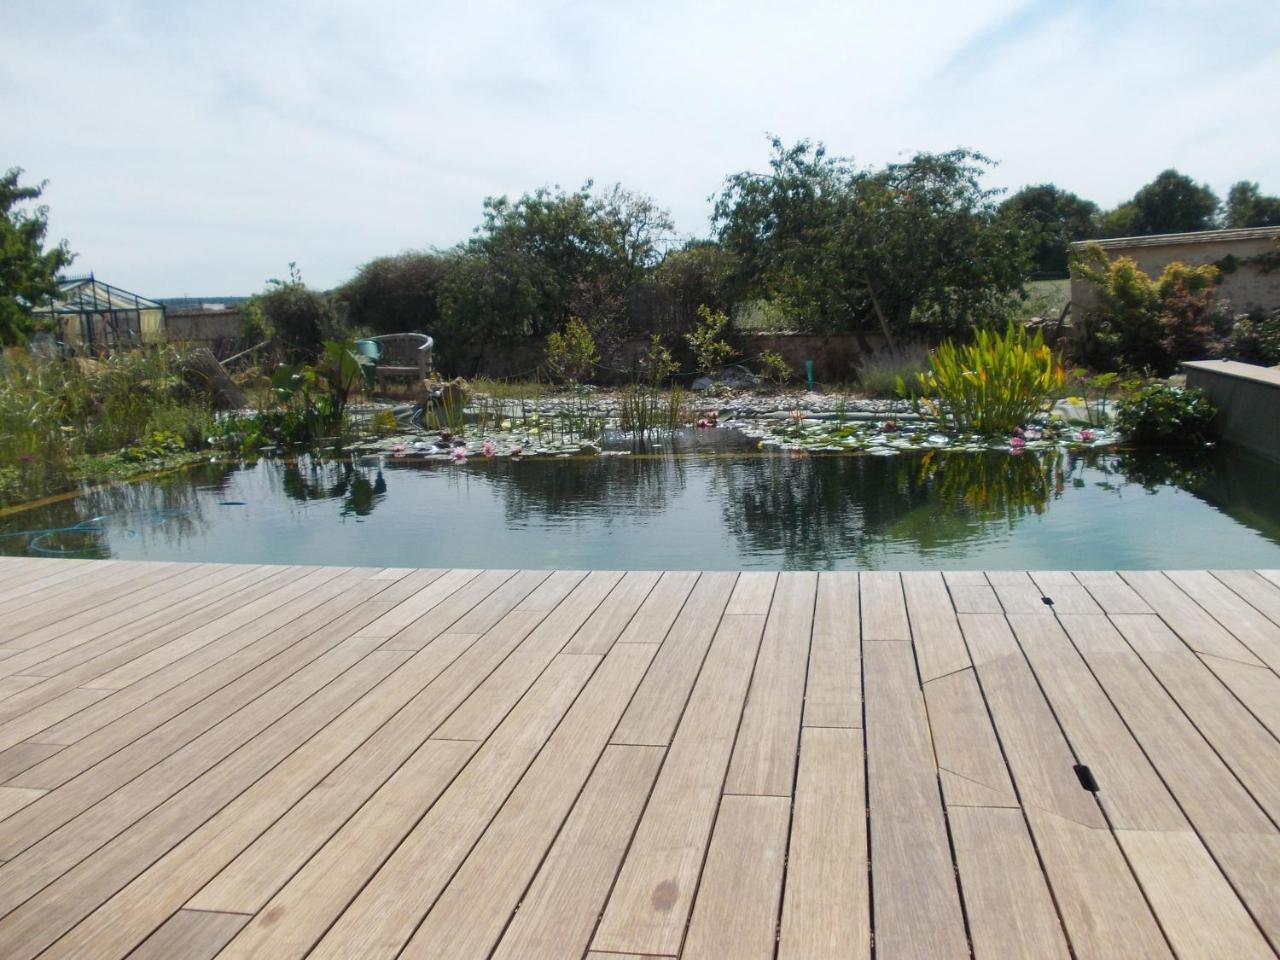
(709, 502)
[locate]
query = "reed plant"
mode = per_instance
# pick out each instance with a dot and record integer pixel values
(991, 386)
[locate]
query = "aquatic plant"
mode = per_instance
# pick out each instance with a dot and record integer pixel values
(990, 386)
(1162, 414)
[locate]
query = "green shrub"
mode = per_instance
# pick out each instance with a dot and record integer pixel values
(880, 371)
(571, 352)
(1160, 414)
(1254, 338)
(991, 386)
(774, 368)
(710, 349)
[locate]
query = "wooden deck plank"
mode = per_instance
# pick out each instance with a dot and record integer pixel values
(1102, 908)
(884, 609)
(558, 914)
(1258, 688)
(1110, 592)
(1010, 910)
(935, 632)
(826, 912)
(1017, 592)
(607, 623)
(653, 620)
(474, 908)
(655, 710)
(650, 903)
(1187, 618)
(764, 757)
(448, 609)
(970, 765)
(191, 935)
(1066, 592)
(1257, 633)
(970, 592)
(916, 902)
(1255, 589)
(735, 913)
(833, 689)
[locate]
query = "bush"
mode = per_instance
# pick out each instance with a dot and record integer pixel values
(1254, 338)
(571, 352)
(880, 371)
(774, 368)
(297, 317)
(710, 349)
(1160, 414)
(991, 386)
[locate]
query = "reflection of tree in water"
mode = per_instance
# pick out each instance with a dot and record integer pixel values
(605, 488)
(161, 509)
(360, 488)
(817, 510)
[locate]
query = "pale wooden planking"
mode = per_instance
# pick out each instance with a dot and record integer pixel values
(421, 602)
(46, 917)
(1017, 592)
(451, 608)
(1260, 635)
(13, 799)
(1258, 688)
(1254, 588)
(1245, 744)
(202, 854)
(1110, 592)
(558, 913)
(30, 724)
(651, 718)
(1236, 831)
(23, 756)
(191, 935)
(658, 612)
(1102, 908)
(485, 708)
(970, 592)
(938, 642)
(764, 758)
(884, 609)
(606, 624)
(11, 685)
(650, 903)
(472, 911)
(970, 765)
(735, 913)
(1188, 619)
(833, 690)
(384, 915)
(1131, 793)
(752, 594)
(312, 898)
(1200, 913)
(1010, 910)
(60, 593)
(826, 913)
(1065, 591)
(916, 903)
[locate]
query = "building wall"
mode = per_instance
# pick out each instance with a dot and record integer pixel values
(1242, 291)
(219, 330)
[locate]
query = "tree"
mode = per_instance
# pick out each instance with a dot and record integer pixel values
(1248, 207)
(28, 272)
(399, 294)
(1171, 203)
(298, 317)
(700, 272)
(847, 249)
(1054, 218)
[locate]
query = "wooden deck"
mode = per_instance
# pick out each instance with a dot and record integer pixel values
(273, 762)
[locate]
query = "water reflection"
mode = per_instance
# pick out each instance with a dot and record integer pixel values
(722, 510)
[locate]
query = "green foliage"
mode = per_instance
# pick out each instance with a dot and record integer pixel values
(297, 317)
(571, 352)
(849, 249)
(1247, 206)
(254, 325)
(28, 272)
(700, 272)
(1171, 203)
(1254, 338)
(312, 398)
(658, 365)
(399, 294)
(154, 446)
(774, 368)
(1053, 218)
(710, 349)
(1143, 323)
(991, 386)
(1165, 415)
(880, 371)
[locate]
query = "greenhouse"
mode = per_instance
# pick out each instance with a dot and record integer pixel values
(91, 316)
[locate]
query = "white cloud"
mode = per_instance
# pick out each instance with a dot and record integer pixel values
(197, 148)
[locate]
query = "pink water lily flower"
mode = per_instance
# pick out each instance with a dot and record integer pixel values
(702, 423)
(1017, 443)
(489, 448)
(397, 449)
(517, 451)
(1087, 436)
(458, 454)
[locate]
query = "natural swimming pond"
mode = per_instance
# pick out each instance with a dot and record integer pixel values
(712, 502)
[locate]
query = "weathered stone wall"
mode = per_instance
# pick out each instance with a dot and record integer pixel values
(1248, 401)
(218, 330)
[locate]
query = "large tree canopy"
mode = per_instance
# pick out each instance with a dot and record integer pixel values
(1247, 206)
(28, 272)
(1171, 203)
(848, 249)
(1054, 218)
(399, 294)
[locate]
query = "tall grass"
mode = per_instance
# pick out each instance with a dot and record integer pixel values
(878, 372)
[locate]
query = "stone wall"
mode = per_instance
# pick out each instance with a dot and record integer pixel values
(1245, 289)
(1248, 401)
(219, 330)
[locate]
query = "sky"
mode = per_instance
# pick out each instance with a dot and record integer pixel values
(196, 149)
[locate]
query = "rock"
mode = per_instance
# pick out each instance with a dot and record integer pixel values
(734, 376)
